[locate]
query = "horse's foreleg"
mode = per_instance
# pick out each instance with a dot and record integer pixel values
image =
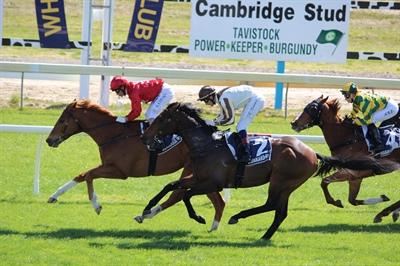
(175, 197)
(340, 176)
(324, 185)
(189, 207)
(61, 190)
(103, 171)
(354, 189)
(385, 212)
(372, 201)
(171, 186)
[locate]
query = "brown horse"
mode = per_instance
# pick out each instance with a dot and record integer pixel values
(122, 152)
(341, 138)
(214, 167)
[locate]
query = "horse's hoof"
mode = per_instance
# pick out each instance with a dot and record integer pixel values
(138, 219)
(233, 221)
(377, 219)
(98, 210)
(395, 216)
(339, 204)
(384, 198)
(200, 219)
(52, 200)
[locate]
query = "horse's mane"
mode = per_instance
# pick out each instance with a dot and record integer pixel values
(89, 105)
(334, 106)
(190, 110)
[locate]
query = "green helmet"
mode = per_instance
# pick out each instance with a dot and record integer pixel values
(349, 88)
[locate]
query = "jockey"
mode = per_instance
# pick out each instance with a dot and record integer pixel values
(230, 99)
(369, 109)
(155, 91)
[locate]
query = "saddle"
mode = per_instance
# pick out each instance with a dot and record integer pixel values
(390, 136)
(260, 147)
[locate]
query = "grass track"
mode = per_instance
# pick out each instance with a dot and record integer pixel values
(71, 233)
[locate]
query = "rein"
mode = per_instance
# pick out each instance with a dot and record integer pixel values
(316, 121)
(205, 147)
(71, 114)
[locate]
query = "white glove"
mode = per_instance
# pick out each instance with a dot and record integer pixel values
(121, 119)
(210, 122)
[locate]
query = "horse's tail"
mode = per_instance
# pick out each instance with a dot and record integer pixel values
(379, 167)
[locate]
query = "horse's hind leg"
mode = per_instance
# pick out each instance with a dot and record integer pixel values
(61, 190)
(385, 212)
(219, 205)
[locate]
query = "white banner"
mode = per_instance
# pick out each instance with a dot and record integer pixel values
(295, 30)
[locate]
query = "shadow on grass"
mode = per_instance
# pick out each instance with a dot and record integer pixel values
(338, 228)
(157, 239)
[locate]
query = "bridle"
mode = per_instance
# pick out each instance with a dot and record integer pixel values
(316, 117)
(316, 121)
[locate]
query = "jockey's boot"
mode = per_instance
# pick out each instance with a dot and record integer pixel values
(246, 154)
(377, 145)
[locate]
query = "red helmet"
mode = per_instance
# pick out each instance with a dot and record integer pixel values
(118, 82)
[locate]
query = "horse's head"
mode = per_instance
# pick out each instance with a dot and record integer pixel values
(174, 119)
(164, 124)
(311, 115)
(65, 126)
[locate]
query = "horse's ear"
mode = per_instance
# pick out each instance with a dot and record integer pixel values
(324, 99)
(174, 106)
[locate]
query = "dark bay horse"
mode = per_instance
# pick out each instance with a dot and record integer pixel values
(122, 152)
(341, 139)
(214, 167)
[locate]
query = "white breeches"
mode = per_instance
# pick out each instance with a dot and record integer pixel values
(156, 106)
(391, 110)
(249, 112)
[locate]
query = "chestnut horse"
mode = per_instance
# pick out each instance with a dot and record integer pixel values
(341, 139)
(122, 152)
(291, 164)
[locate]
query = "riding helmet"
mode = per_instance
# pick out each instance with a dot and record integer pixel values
(349, 88)
(205, 92)
(118, 82)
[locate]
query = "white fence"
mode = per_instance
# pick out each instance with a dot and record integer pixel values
(45, 130)
(193, 76)
(189, 75)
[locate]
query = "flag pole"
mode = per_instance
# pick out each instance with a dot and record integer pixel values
(338, 43)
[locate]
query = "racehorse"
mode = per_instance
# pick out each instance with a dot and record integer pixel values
(341, 138)
(214, 167)
(122, 152)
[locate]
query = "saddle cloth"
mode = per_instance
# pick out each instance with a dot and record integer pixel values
(390, 138)
(260, 147)
(169, 141)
